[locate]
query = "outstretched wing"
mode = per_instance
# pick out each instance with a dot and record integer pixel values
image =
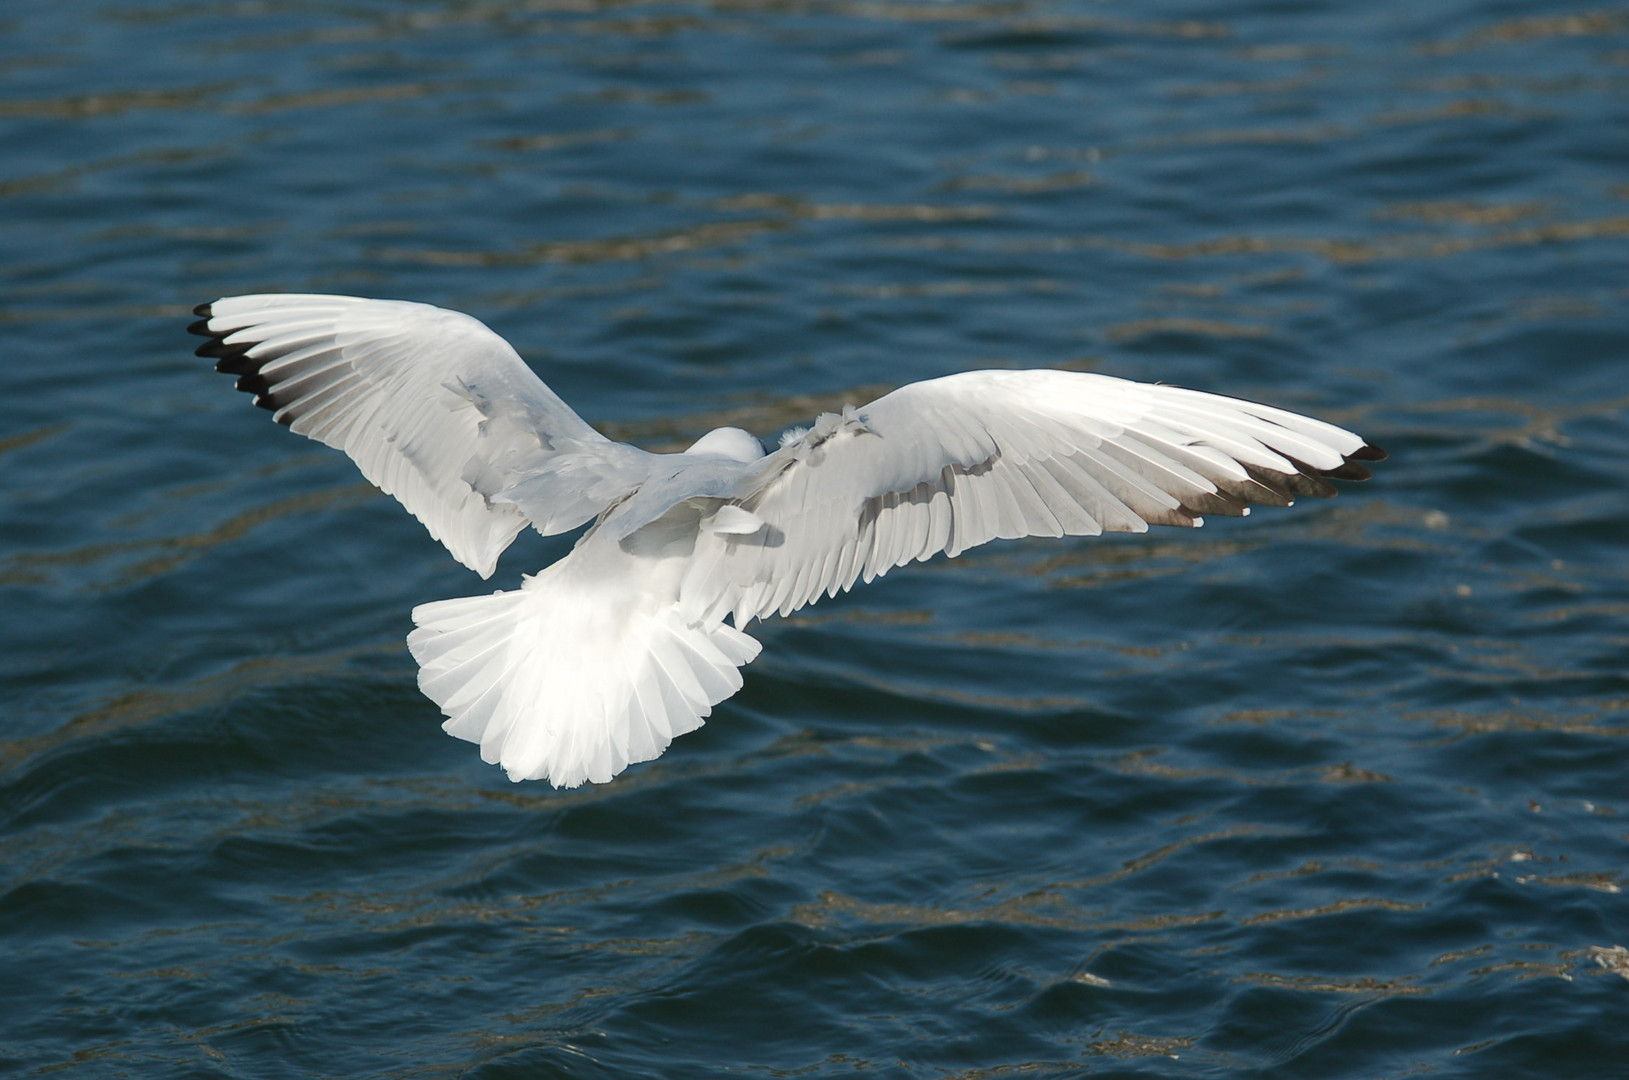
(434, 408)
(944, 465)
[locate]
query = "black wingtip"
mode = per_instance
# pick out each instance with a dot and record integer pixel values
(254, 383)
(1368, 453)
(237, 364)
(1351, 470)
(218, 349)
(1306, 480)
(234, 359)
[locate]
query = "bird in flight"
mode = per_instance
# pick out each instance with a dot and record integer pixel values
(602, 658)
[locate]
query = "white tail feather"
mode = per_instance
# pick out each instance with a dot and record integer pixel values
(568, 681)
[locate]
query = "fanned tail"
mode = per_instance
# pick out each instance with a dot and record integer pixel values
(566, 681)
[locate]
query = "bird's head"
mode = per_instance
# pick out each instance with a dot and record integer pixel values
(729, 442)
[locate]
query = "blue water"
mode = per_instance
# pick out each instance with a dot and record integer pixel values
(1334, 791)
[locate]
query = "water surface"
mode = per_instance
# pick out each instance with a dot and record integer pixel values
(1337, 791)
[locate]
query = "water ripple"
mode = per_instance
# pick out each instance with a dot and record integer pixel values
(1328, 791)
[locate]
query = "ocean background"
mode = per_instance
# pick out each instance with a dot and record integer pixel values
(1334, 791)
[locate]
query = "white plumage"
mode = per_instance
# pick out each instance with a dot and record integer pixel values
(601, 659)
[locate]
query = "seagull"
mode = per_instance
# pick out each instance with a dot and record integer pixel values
(602, 658)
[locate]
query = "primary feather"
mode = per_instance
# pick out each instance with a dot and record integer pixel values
(602, 658)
